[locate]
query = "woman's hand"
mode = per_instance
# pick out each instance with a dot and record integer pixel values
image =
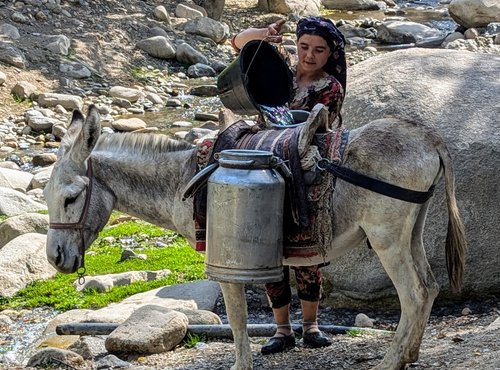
(273, 31)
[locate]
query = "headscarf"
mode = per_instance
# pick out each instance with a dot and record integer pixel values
(336, 64)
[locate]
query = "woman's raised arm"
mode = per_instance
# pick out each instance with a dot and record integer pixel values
(270, 34)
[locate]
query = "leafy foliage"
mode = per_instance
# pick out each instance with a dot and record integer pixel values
(190, 340)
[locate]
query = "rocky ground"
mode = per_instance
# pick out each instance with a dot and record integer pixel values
(460, 336)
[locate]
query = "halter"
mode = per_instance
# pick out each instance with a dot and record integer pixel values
(80, 224)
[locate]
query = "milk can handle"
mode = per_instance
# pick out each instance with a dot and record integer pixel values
(235, 163)
(198, 181)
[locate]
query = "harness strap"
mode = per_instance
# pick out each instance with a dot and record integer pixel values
(80, 224)
(377, 186)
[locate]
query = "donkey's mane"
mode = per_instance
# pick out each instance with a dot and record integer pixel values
(140, 144)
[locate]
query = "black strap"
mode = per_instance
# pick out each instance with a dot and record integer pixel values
(379, 186)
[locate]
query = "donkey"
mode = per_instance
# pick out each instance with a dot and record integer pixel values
(144, 175)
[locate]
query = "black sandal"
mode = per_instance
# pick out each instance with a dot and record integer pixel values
(315, 339)
(278, 344)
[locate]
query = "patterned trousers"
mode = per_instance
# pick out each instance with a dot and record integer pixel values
(308, 280)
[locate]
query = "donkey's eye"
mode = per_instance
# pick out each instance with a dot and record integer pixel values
(69, 201)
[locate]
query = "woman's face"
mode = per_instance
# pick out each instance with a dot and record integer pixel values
(313, 52)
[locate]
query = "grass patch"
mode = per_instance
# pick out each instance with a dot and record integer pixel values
(354, 332)
(103, 257)
(146, 75)
(190, 340)
(22, 100)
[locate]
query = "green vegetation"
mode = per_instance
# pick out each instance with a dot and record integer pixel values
(147, 74)
(22, 100)
(191, 339)
(103, 257)
(354, 332)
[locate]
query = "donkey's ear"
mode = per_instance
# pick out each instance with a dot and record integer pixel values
(92, 128)
(74, 128)
(87, 135)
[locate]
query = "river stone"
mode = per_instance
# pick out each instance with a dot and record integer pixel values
(183, 10)
(440, 88)
(208, 27)
(71, 102)
(44, 159)
(23, 224)
(351, 4)
(158, 47)
(41, 123)
(9, 31)
(58, 44)
(74, 69)
(13, 202)
(128, 124)
(403, 32)
(188, 55)
(150, 329)
(3, 77)
(474, 13)
(201, 317)
(41, 178)
(103, 283)
(153, 97)
(161, 13)
(113, 362)
(205, 90)
(23, 260)
(299, 7)
(23, 90)
(11, 55)
(120, 92)
(55, 357)
(15, 179)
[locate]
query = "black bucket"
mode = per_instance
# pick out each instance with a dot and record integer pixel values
(258, 76)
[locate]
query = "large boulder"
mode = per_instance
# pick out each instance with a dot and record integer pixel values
(150, 329)
(474, 13)
(457, 93)
(300, 7)
(23, 224)
(22, 261)
(13, 203)
(14, 179)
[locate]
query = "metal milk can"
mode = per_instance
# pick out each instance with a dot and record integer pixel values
(245, 218)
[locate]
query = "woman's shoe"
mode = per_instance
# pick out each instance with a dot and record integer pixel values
(316, 339)
(278, 344)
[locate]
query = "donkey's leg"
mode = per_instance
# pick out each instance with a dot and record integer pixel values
(236, 308)
(406, 264)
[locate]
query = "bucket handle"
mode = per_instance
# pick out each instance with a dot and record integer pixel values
(253, 58)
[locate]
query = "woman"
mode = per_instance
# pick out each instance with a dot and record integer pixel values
(319, 77)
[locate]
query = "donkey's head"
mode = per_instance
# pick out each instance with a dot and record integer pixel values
(78, 208)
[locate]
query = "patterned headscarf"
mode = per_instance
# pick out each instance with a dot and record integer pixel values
(324, 27)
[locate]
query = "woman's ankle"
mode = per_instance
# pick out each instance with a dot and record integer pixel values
(283, 330)
(310, 327)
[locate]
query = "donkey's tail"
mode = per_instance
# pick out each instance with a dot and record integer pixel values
(455, 237)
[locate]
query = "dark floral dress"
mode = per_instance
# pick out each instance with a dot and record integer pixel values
(327, 91)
